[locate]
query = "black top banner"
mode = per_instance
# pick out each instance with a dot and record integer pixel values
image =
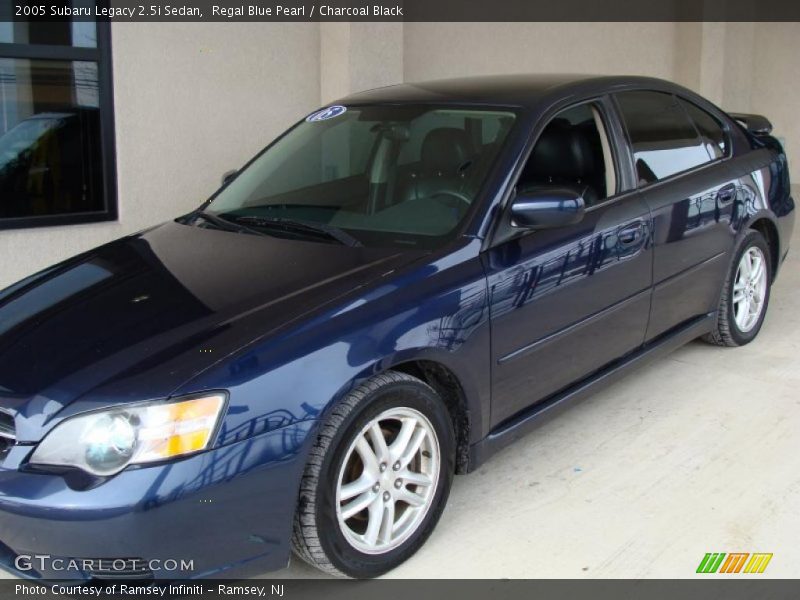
(401, 10)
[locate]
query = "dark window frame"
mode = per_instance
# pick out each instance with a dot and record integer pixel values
(682, 102)
(102, 56)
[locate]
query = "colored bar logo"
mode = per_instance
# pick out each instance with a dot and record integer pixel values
(734, 562)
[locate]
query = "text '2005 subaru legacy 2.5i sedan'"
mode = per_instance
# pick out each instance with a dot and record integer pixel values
(389, 293)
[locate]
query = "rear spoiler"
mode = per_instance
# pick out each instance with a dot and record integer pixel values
(755, 124)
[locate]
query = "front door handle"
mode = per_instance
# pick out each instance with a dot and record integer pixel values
(630, 234)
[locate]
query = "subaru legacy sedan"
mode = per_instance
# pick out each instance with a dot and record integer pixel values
(397, 287)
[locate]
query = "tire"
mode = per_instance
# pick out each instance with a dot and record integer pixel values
(728, 331)
(323, 536)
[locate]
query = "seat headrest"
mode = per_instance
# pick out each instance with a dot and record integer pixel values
(445, 149)
(562, 152)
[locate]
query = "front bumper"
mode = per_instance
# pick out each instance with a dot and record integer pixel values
(225, 512)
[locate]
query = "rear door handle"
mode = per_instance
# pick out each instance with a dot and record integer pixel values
(630, 234)
(726, 194)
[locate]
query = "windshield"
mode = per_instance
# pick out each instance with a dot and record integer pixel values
(385, 175)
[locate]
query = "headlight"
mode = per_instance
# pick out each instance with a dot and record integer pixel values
(105, 442)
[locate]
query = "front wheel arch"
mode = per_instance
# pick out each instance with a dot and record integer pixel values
(448, 386)
(317, 536)
(464, 403)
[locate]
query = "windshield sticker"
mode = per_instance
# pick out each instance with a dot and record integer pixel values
(326, 113)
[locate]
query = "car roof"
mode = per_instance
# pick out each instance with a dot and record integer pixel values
(523, 91)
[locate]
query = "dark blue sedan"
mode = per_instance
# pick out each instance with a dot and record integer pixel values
(397, 287)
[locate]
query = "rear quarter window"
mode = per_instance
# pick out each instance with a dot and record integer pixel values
(663, 139)
(710, 129)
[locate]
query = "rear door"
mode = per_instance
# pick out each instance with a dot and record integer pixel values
(679, 153)
(567, 301)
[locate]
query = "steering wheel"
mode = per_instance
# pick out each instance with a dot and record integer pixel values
(454, 198)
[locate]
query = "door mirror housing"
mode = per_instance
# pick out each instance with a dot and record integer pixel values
(547, 207)
(228, 176)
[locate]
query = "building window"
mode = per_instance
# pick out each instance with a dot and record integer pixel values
(56, 123)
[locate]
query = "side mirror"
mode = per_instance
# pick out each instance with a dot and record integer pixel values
(228, 176)
(547, 207)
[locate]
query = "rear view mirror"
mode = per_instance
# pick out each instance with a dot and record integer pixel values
(228, 176)
(547, 207)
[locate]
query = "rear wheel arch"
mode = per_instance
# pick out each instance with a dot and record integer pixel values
(753, 292)
(769, 230)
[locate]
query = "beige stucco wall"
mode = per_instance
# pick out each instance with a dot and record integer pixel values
(453, 49)
(775, 89)
(358, 56)
(193, 100)
(743, 67)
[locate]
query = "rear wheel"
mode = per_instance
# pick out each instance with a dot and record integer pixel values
(377, 479)
(745, 297)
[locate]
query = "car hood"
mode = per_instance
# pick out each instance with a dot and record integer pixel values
(136, 318)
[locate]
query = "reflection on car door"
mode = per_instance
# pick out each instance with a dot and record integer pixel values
(692, 196)
(565, 302)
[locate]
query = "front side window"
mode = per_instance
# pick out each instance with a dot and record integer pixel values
(55, 163)
(386, 175)
(663, 139)
(573, 151)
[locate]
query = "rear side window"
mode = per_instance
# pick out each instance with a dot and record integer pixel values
(710, 130)
(663, 139)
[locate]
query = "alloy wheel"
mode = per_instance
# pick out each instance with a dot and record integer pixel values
(749, 289)
(387, 481)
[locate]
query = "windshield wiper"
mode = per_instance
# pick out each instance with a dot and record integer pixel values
(297, 225)
(225, 223)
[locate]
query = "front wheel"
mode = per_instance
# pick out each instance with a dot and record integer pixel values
(745, 296)
(377, 479)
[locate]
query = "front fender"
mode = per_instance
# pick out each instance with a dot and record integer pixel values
(469, 381)
(435, 310)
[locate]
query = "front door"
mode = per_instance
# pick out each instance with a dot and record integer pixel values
(565, 302)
